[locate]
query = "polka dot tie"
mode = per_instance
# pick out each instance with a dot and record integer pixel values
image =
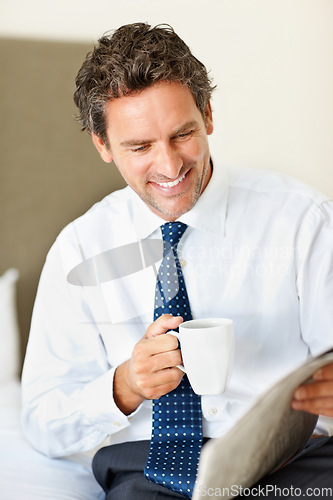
(177, 420)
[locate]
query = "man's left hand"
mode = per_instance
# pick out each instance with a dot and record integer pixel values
(316, 396)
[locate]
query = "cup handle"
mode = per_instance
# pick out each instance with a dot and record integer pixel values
(176, 334)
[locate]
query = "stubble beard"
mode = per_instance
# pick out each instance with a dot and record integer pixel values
(174, 214)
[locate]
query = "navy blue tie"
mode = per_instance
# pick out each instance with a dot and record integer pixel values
(177, 420)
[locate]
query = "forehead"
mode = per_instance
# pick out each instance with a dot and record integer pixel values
(159, 108)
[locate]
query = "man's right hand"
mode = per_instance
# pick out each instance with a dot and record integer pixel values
(152, 369)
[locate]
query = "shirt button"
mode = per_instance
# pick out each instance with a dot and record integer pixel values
(212, 411)
(182, 262)
(117, 424)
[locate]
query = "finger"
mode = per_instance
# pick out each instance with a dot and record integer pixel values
(314, 390)
(168, 376)
(145, 355)
(325, 373)
(160, 383)
(163, 324)
(321, 406)
(146, 349)
(168, 359)
(163, 389)
(314, 404)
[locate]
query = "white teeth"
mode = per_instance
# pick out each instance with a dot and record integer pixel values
(171, 184)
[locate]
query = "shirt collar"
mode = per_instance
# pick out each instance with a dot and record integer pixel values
(208, 214)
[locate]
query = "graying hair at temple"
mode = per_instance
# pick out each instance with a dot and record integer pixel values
(130, 59)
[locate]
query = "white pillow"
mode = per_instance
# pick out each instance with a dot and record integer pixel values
(9, 334)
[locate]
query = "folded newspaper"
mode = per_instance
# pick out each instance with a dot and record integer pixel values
(269, 434)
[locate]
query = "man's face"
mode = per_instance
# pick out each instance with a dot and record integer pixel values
(158, 140)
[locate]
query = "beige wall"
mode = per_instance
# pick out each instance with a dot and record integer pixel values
(276, 97)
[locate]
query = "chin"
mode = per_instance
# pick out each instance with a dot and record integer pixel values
(177, 207)
(172, 213)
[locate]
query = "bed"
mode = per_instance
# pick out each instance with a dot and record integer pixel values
(25, 473)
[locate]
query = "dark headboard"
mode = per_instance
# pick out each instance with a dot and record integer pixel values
(50, 172)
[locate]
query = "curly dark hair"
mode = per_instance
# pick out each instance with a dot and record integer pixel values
(130, 59)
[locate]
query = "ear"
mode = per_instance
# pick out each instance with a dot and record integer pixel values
(209, 119)
(101, 148)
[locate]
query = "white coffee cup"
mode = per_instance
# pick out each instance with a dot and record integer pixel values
(207, 347)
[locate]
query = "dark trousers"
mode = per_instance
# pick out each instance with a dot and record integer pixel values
(119, 471)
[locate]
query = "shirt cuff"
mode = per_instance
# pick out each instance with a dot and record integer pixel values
(100, 408)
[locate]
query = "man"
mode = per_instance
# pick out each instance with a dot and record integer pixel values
(256, 247)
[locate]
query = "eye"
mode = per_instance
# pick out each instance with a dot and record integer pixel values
(183, 135)
(140, 149)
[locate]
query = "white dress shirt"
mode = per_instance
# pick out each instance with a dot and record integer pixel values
(258, 250)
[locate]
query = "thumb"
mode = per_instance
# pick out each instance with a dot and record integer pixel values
(162, 325)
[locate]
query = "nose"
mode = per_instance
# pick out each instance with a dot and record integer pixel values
(168, 161)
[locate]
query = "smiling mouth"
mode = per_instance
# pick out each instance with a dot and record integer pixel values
(171, 184)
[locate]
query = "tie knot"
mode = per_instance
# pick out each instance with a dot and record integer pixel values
(173, 231)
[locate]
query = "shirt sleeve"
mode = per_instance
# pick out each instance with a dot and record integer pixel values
(67, 382)
(315, 277)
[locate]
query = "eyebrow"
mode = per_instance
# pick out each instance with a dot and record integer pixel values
(140, 142)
